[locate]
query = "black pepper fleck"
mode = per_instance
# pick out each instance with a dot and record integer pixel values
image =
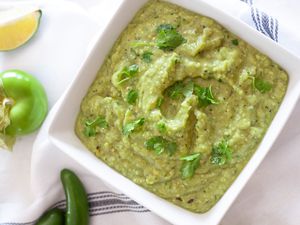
(179, 199)
(190, 201)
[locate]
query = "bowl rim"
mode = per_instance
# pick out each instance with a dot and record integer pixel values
(167, 210)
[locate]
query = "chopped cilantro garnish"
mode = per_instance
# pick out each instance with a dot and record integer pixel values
(89, 131)
(128, 72)
(205, 96)
(130, 127)
(189, 165)
(159, 145)
(132, 96)
(161, 126)
(180, 89)
(235, 42)
(221, 153)
(261, 85)
(176, 90)
(147, 56)
(168, 38)
(90, 126)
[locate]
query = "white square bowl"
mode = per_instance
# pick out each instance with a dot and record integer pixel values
(62, 128)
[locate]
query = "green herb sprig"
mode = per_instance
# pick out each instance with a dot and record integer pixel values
(189, 165)
(176, 90)
(180, 89)
(161, 126)
(147, 56)
(158, 144)
(131, 97)
(205, 96)
(128, 72)
(133, 125)
(91, 125)
(168, 38)
(221, 153)
(259, 84)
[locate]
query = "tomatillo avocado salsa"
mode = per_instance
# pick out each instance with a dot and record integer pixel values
(24, 104)
(180, 105)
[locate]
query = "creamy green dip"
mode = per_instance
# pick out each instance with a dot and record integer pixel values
(180, 105)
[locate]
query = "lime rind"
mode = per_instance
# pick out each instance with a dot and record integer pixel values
(19, 31)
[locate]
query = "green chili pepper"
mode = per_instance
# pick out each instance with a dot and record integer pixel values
(77, 202)
(26, 99)
(52, 217)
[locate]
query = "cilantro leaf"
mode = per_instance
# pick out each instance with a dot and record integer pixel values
(128, 72)
(90, 126)
(159, 145)
(147, 56)
(205, 96)
(89, 131)
(235, 42)
(180, 89)
(261, 85)
(132, 96)
(168, 38)
(221, 153)
(189, 165)
(130, 127)
(161, 126)
(176, 90)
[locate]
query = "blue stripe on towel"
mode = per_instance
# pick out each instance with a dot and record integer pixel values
(101, 203)
(264, 23)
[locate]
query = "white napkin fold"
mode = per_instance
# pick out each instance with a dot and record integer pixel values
(28, 186)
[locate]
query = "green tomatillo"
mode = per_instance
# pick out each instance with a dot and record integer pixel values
(24, 103)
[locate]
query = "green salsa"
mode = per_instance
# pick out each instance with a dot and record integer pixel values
(180, 105)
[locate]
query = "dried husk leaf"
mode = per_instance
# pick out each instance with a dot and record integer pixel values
(6, 142)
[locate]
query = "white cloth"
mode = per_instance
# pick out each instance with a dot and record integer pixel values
(29, 176)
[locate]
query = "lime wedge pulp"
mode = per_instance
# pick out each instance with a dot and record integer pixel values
(18, 28)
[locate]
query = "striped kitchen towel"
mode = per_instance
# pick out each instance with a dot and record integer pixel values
(264, 23)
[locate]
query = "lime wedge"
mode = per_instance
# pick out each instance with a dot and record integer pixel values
(17, 29)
